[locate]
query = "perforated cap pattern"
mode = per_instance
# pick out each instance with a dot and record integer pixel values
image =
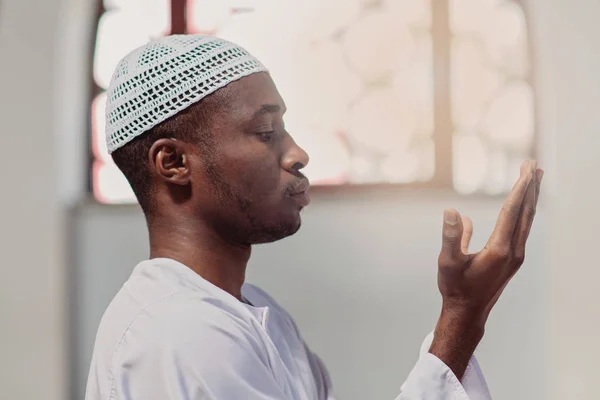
(163, 77)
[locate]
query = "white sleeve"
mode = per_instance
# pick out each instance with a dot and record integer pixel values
(218, 361)
(431, 379)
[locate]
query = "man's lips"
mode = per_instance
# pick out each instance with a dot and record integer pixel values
(299, 192)
(301, 187)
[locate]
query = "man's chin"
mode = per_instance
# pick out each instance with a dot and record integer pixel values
(275, 233)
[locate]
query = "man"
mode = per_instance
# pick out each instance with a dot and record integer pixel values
(196, 125)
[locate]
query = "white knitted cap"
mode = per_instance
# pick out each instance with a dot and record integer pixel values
(165, 76)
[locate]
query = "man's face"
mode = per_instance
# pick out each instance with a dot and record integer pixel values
(257, 190)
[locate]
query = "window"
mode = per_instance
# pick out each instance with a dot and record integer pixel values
(422, 92)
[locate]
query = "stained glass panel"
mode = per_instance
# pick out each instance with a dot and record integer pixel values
(492, 98)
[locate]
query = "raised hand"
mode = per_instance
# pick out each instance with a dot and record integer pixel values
(471, 284)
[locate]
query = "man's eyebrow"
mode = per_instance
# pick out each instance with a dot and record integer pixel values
(267, 109)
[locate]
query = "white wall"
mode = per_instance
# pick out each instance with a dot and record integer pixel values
(32, 283)
(569, 41)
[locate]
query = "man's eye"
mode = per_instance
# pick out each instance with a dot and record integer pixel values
(266, 136)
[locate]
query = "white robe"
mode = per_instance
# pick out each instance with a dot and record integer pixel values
(170, 334)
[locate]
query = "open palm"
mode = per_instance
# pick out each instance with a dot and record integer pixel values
(475, 281)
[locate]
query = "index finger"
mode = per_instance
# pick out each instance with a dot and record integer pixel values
(527, 214)
(467, 234)
(511, 208)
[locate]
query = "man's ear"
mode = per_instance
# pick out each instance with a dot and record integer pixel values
(169, 159)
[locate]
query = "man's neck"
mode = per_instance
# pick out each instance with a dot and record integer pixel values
(203, 251)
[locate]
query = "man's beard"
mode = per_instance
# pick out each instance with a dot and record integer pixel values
(267, 233)
(248, 228)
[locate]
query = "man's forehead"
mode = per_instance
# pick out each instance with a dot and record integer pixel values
(255, 94)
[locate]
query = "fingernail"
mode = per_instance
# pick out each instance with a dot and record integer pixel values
(540, 175)
(450, 217)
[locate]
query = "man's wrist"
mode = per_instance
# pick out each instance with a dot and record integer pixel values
(457, 334)
(462, 320)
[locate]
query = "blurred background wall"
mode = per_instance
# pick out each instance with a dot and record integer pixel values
(359, 277)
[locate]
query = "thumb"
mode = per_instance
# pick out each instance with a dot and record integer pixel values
(452, 233)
